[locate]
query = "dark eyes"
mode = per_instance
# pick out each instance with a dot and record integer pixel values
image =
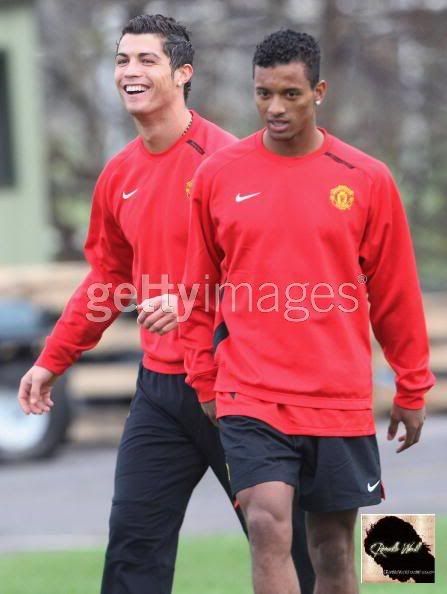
(264, 94)
(121, 61)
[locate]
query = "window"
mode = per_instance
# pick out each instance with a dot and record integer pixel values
(7, 174)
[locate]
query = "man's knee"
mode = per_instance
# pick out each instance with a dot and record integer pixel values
(268, 531)
(267, 508)
(136, 530)
(331, 542)
(332, 557)
(125, 531)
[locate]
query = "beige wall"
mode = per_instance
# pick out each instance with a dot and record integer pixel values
(24, 233)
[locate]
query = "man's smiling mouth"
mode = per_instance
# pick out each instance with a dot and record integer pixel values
(135, 89)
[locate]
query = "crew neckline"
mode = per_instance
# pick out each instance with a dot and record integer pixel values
(183, 138)
(292, 160)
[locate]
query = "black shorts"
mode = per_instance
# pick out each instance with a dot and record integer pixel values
(329, 473)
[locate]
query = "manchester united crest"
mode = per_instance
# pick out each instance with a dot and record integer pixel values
(188, 188)
(342, 197)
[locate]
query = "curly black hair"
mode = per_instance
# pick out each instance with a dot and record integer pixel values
(177, 45)
(285, 46)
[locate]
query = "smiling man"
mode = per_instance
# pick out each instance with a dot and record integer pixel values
(320, 225)
(138, 236)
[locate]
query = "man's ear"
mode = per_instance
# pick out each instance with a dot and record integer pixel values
(183, 74)
(320, 92)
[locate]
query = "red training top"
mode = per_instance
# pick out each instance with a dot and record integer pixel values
(138, 233)
(301, 245)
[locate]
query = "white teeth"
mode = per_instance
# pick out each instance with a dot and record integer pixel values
(134, 88)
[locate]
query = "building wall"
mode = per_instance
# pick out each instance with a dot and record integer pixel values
(24, 232)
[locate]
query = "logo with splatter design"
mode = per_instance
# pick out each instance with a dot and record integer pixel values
(342, 197)
(188, 189)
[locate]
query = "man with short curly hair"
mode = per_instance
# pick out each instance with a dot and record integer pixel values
(315, 230)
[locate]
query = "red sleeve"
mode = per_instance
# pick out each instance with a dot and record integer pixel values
(202, 274)
(87, 314)
(396, 310)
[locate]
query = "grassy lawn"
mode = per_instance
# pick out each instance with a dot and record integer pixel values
(206, 565)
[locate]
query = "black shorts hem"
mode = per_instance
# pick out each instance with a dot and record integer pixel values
(339, 507)
(258, 479)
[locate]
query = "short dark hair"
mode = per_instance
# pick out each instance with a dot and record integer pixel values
(285, 46)
(177, 45)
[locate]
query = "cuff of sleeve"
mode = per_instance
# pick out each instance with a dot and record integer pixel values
(205, 396)
(49, 363)
(410, 401)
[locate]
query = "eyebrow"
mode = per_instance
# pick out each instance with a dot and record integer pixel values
(140, 55)
(262, 88)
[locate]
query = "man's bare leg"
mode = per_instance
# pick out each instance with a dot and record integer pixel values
(268, 511)
(330, 538)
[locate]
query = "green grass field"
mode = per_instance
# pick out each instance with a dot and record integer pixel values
(206, 565)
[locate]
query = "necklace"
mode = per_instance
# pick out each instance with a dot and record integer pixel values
(188, 126)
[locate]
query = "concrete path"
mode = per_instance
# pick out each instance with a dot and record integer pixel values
(64, 502)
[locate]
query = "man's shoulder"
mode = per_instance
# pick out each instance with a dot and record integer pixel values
(227, 155)
(355, 158)
(210, 137)
(120, 159)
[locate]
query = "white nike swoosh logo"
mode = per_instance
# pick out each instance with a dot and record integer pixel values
(372, 487)
(129, 195)
(241, 198)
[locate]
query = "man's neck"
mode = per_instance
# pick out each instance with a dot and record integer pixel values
(161, 130)
(302, 144)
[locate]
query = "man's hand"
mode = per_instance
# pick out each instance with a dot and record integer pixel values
(413, 421)
(35, 390)
(158, 314)
(209, 408)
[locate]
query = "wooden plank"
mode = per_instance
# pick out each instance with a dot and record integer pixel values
(28, 281)
(436, 399)
(438, 357)
(435, 305)
(122, 336)
(108, 380)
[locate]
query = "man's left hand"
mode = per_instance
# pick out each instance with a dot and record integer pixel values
(159, 314)
(413, 421)
(209, 408)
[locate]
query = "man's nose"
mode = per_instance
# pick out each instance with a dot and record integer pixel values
(132, 69)
(276, 106)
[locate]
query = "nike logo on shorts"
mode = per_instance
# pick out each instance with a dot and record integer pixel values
(372, 487)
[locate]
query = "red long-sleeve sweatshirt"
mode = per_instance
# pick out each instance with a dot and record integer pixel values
(137, 235)
(310, 251)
